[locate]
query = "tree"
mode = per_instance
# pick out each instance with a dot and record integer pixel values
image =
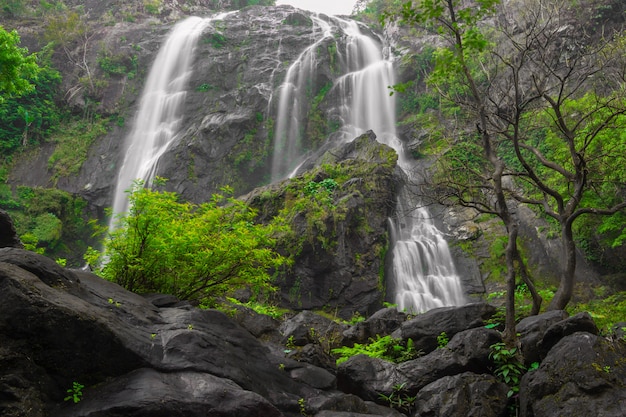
(458, 24)
(17, 67)
(34, 114)
(192, 251)
(556, 99)
(547, 100)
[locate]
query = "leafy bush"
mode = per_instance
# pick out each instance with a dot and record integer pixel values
(509, 366)
(49, 221)
(188, 250)
(72, 146)
(33, 114)
(385, 347)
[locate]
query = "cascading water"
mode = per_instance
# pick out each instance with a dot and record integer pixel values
(424, 275)
(160, 109)
(293, 105)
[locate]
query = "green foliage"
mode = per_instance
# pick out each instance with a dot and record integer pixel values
(318, 127)
(216, 40)
(327, 186)
(192, 251)
(385, 347)
(12, 8)
(261, 308)
(18, 67)
(605, 311)
(33, 115)
(117, 64)
(73, 144)
(64, 28)
(204, 87)
(509, 367)
(399, 399)
(49, 221)
(442, 340)
(75, 393)
(153, 6)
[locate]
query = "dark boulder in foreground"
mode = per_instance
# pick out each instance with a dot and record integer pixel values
(133, 358)
(582, 375)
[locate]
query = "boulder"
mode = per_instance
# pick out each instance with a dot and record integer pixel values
(463, 395)
(368, 377)
(259, 325)
(531, 331)
(148, 393)
(8, 235)
(581, 322)
(344, 405)
(307, 327)
(382, 322)
(314, 354)
(424, 328)
(44, 268)
(582, 375)
(314, 376)
(133, 358)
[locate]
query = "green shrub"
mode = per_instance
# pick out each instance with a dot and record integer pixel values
(385, 347)
(191, 251)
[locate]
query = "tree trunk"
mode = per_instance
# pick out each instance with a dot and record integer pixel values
(537, 300)
(566, 285)
(510, 255)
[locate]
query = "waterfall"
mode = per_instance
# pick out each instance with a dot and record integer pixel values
(423, 273)
(293, 105)
(160, 112)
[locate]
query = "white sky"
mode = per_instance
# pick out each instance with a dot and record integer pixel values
(329, 7)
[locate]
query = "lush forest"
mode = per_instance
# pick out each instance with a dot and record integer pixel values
(512, 109)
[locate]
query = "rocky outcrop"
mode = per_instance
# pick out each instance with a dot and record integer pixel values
(582, 375)
(462, 395)
(340, 246)
(8, 235)
(425, 328)
(69, 333)
(134, 358)
(368, 377)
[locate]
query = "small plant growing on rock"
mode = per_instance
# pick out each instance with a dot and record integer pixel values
(302, 405)
(399, 399)
(509, 367)
(442, 340)
(75, 393)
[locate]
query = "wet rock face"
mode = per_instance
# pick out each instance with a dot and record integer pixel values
(339, 264)
(582, 375)
(8, 235)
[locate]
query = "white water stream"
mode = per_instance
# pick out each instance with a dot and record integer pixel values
(423, 272)
(160, 112)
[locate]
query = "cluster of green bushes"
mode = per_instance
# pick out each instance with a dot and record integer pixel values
(49, 221)
(199, 252)
(31, 115)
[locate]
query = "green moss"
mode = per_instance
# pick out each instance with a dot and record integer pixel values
(51, 221)
(72, 145)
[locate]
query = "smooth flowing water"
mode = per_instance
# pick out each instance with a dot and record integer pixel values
(160, 110)
(293, 105)
(423, 272)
